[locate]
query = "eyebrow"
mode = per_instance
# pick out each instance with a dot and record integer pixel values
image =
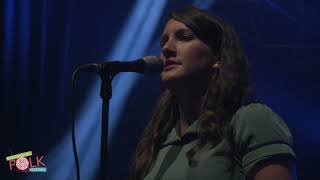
(183, 30)
(179, 30)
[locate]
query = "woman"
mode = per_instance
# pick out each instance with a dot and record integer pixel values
(207, 124)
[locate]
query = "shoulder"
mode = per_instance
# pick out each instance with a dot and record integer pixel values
(258, 117)
(254, 110)
(259, 134)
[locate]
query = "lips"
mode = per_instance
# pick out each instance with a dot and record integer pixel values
(169, 63)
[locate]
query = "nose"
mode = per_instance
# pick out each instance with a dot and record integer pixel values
(169, 49)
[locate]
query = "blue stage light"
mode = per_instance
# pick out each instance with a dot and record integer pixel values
(131, 44)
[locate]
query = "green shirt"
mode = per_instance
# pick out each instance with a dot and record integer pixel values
(258, 132)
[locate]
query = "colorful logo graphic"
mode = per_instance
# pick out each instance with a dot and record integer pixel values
(25, 162)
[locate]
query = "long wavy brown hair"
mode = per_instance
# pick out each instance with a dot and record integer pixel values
(228, 90)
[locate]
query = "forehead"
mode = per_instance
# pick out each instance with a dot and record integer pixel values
(174, 25)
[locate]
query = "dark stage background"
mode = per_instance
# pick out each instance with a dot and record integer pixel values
(43, 41)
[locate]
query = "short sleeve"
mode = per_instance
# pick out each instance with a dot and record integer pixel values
(259, 134)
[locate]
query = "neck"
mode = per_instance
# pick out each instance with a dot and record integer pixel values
(189, 107)
(189, 94)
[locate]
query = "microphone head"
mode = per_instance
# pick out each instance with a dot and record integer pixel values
(154, 65)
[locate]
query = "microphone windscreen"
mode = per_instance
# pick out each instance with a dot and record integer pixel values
(154, 65)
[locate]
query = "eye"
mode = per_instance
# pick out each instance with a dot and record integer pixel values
(184, 36)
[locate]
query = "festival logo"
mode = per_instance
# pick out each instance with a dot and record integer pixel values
(26, 162)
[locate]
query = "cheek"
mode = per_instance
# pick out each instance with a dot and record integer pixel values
(198, 57)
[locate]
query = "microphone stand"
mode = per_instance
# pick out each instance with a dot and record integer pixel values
(107, 71)
(105, 94)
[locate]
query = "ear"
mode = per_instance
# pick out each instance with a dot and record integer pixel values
(216, 65)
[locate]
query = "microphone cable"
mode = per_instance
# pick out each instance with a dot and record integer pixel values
(74, 145)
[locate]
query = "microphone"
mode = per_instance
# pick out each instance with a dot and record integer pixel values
(147, 65)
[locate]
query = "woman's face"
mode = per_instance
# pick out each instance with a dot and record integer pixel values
(186, 58)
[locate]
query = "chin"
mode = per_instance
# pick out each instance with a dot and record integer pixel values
(167, 76)
(171, 81)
